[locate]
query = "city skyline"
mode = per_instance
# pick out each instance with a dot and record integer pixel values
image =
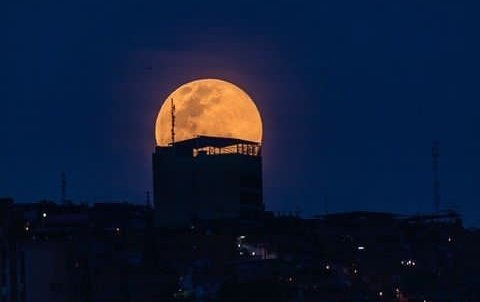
(352, 98)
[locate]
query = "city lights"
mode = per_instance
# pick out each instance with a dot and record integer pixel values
(408, 263)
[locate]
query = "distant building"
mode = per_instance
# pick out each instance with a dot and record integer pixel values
(205, 179)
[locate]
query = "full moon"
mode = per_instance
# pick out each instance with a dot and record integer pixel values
(209, 107)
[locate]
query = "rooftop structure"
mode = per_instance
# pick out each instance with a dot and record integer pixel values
(212, 145)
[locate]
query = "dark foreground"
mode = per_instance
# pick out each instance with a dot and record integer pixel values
(113, 252)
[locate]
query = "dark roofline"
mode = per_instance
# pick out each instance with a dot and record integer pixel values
(358, 214)
(212, 141)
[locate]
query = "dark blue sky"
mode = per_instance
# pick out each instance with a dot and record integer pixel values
(352, 94)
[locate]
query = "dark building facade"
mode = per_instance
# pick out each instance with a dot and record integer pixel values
(207, 179)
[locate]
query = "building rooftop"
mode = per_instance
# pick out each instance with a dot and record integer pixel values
(212, 141)
(212, 145)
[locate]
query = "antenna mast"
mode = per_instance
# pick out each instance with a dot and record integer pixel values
(64, 188)
(325, 204)
(172, 111)
(436, 177)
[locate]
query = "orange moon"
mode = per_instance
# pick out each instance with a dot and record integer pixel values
(209, 107)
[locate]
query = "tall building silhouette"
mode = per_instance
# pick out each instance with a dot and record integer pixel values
(207, 179)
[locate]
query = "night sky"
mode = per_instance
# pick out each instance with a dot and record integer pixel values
(352, 94)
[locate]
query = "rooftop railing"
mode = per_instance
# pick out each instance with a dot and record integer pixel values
(244, 149)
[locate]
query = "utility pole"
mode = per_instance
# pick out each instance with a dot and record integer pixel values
(436, 176)
(148, 205)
